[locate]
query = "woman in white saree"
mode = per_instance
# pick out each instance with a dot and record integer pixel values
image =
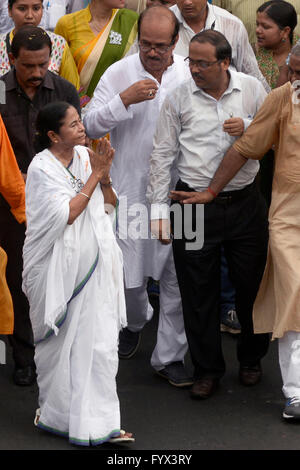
(73, 278)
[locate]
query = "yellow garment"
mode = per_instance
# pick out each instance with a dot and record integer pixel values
(68, 68)
(245, 10)
(6, 305)
(277, 306)
(76, 30)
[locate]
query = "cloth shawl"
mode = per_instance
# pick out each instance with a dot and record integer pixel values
(6, 304)
(60, 258)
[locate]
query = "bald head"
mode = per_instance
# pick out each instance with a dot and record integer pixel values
(159, 16)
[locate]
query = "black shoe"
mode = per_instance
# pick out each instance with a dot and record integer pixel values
(250, 375)
(128, 343)
(204, 388)
(176, 375)
(24, 376)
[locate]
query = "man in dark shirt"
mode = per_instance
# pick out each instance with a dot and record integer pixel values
(29, 87)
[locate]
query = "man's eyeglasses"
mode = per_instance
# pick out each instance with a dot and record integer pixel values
(200, 64)
(146, 47)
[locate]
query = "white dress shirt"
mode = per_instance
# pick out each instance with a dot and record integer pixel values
(55, 9)
(243, 57)
(190, 129)
(131, 133)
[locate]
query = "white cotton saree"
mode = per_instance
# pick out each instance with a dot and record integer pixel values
(73, 278)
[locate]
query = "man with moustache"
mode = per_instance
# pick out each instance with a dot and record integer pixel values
(29, 86)
(194, 132)
(276, 307)
(126, 104)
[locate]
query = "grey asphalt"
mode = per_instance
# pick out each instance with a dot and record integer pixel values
(163, 417)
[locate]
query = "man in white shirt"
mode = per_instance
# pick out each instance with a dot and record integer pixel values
(126, 104)
(6, 23)
(198, 122)
(55, 9)
(197, 15)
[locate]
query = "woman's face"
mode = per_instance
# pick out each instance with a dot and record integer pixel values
(268, 33)
(72, 131)
(26, 12)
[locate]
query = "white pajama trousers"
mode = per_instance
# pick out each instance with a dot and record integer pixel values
(289, 360)
(171, 344)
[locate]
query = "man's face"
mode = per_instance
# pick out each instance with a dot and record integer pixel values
(207, 71)
(192, 9)
(294, 69)
(156, 34)
(31, 66)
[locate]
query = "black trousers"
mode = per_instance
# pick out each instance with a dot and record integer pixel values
(12, 235)
(238, 222)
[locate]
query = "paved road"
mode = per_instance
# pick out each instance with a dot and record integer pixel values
(164, 417)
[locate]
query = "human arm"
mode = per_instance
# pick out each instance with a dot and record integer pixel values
(101, 161)
(110, 106)
(12, 186)
(165, 152)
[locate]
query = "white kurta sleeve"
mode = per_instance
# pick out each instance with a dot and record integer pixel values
(165, 151)
(246, 61)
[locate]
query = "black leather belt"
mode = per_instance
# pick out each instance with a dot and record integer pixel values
(225, 197)
(228, 197)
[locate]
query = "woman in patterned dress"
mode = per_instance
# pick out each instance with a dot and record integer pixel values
(29, 12)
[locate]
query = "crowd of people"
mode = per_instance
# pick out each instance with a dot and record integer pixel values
(147, 144)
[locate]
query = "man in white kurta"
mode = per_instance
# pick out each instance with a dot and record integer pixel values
(126, 104)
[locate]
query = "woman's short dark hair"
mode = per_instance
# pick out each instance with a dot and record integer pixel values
(11, 2)
(217, 39)
(50, 118)
(282, 13)
(31, 38)
(149, 10)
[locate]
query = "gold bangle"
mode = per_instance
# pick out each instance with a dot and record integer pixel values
(85, 195)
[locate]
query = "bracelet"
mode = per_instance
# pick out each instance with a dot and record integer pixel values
(85, 195)
(211, 192)
(107, 184)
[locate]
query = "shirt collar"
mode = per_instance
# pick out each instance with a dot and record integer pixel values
(210, 20)
(234, 84)
(11, 82)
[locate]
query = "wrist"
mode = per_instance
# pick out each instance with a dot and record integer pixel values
(106, 181)
(212, 192)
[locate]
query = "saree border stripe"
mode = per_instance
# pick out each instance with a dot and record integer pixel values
(74, 440)
(124, 22)
(76, 291)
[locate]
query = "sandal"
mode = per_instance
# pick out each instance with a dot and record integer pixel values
(37, 416)
(123, 437)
